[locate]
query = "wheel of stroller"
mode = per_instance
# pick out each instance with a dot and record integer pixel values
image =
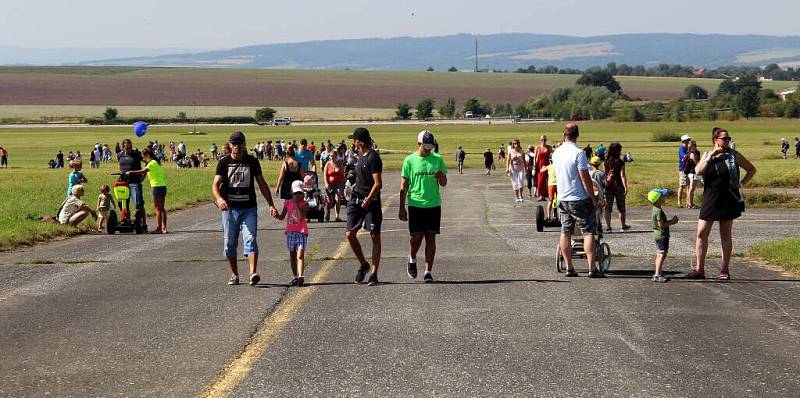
(539, 218)
(560, 265)
(111, 223)
(604, 256)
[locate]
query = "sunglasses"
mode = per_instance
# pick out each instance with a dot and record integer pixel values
(726, 139)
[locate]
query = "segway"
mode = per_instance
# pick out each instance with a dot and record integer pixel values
(547, 218)
(123, 224)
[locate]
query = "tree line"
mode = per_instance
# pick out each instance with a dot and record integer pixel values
(772, 71)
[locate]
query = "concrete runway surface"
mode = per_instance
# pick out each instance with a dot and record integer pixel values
(150, 315)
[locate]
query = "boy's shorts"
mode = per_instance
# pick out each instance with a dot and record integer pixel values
(662, 245)
(296, 241)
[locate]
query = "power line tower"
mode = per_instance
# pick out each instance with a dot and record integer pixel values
(476, 55)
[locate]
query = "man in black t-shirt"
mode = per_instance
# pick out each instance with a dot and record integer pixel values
(234, 192)
(364, 208)
(130, 159)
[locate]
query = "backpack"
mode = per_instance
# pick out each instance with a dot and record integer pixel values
(613, 179)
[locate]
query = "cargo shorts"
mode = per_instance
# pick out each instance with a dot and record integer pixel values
(581, 211)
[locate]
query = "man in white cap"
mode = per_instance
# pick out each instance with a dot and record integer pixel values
(683, 179)
(422, 174)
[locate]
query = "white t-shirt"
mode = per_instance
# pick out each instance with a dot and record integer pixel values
(71, 206)
(569, 161)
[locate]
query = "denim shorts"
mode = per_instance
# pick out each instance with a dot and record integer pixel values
(296, 241)
(581, 211)
(235, 220)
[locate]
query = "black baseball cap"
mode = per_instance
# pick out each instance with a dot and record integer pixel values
(360, 134)
(237, 138)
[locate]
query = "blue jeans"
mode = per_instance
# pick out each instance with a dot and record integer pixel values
(244, 220)
(136, 195)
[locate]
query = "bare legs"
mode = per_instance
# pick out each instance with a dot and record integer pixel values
(161, 214)
(297, 261)
(430, 248)
(690, 194)
(588, 245)
(252, 261)
(352, 237)
(726, 243)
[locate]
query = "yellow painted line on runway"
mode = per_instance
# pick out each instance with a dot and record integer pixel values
(238, 369)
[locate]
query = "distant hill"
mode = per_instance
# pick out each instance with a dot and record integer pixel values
(11, 55)
(507, 51)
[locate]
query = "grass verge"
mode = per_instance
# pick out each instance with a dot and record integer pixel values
(783, 253)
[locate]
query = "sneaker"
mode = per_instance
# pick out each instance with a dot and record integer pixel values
(301, 281)
(362, 272)
(571, 273)
(660, 278)
(412, 270)
(234, 280)
(373, 280)
(295, 281)
(609, 230)
(428, 278)
(254, 278)
(625, 227)
(596, 274)
(696, 275)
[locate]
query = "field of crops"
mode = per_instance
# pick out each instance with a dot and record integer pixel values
(293, 88)
(29, 187)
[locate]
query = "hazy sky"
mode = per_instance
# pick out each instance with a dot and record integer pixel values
(233, 23)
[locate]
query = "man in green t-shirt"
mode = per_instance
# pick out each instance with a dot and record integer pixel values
(422, 174)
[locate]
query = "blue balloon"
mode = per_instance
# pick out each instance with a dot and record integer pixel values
(140, 129)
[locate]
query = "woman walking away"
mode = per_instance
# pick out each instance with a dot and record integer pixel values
(722, 200)
(616, 185)
(689, 165)
(543, 152)
(155, 175)
(488, 161)
(515, 167)
(290, 171)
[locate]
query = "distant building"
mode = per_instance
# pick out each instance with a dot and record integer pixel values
(698, 72)
(762, 79)
(785, 93)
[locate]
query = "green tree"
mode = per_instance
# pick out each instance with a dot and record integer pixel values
(473, 105)
(264, 114)
(110, 113)
(599, 78)
(747, 102)
(181, 116)
(425, 108)
(453, 69)
(448, 110)
(430, 69)
(695, 92)
(727, 87)
(403, 111)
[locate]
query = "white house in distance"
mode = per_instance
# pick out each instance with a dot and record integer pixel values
(787, 92)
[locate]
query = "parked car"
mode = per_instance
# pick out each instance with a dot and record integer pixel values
(469, 115)
(284, 121)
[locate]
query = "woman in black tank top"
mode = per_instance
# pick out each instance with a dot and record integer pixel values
(290, 172)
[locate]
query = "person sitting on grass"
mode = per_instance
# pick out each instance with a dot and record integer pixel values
(76, 176)
(74, 210)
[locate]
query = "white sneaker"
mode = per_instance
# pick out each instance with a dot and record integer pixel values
(234, 280)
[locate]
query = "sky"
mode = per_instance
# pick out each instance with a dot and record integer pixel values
(232, 23)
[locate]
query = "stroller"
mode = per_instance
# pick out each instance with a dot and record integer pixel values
(314, 198)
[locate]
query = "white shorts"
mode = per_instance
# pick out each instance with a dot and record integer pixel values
(517, 179)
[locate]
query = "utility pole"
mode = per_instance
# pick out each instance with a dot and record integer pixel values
(476, 55)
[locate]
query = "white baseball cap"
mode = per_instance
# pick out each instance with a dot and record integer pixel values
(685, 137)
(297, 186)
(425, 138)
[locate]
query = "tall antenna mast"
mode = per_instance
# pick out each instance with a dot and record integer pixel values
(476, 54)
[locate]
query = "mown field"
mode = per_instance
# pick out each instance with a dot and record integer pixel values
(109, 86)
(29, 187)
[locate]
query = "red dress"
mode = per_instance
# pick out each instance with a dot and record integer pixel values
(542, 160)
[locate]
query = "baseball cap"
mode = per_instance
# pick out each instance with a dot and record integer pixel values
(595, 160)
(655, 194)
(237, 138)
(425, 138)
(297, 186)
(685, 137)
(360, 134)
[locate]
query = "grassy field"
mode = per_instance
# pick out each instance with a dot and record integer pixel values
(176, 87)
(75, 113)
(29, 187)
(783, 253)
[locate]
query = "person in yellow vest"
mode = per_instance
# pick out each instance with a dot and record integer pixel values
(155, 175)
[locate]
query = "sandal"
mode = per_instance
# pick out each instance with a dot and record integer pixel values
(724, 276)
(696, 275)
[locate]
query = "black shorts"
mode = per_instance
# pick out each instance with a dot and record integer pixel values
(424, 220)
(369, 219)
(662, 245)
